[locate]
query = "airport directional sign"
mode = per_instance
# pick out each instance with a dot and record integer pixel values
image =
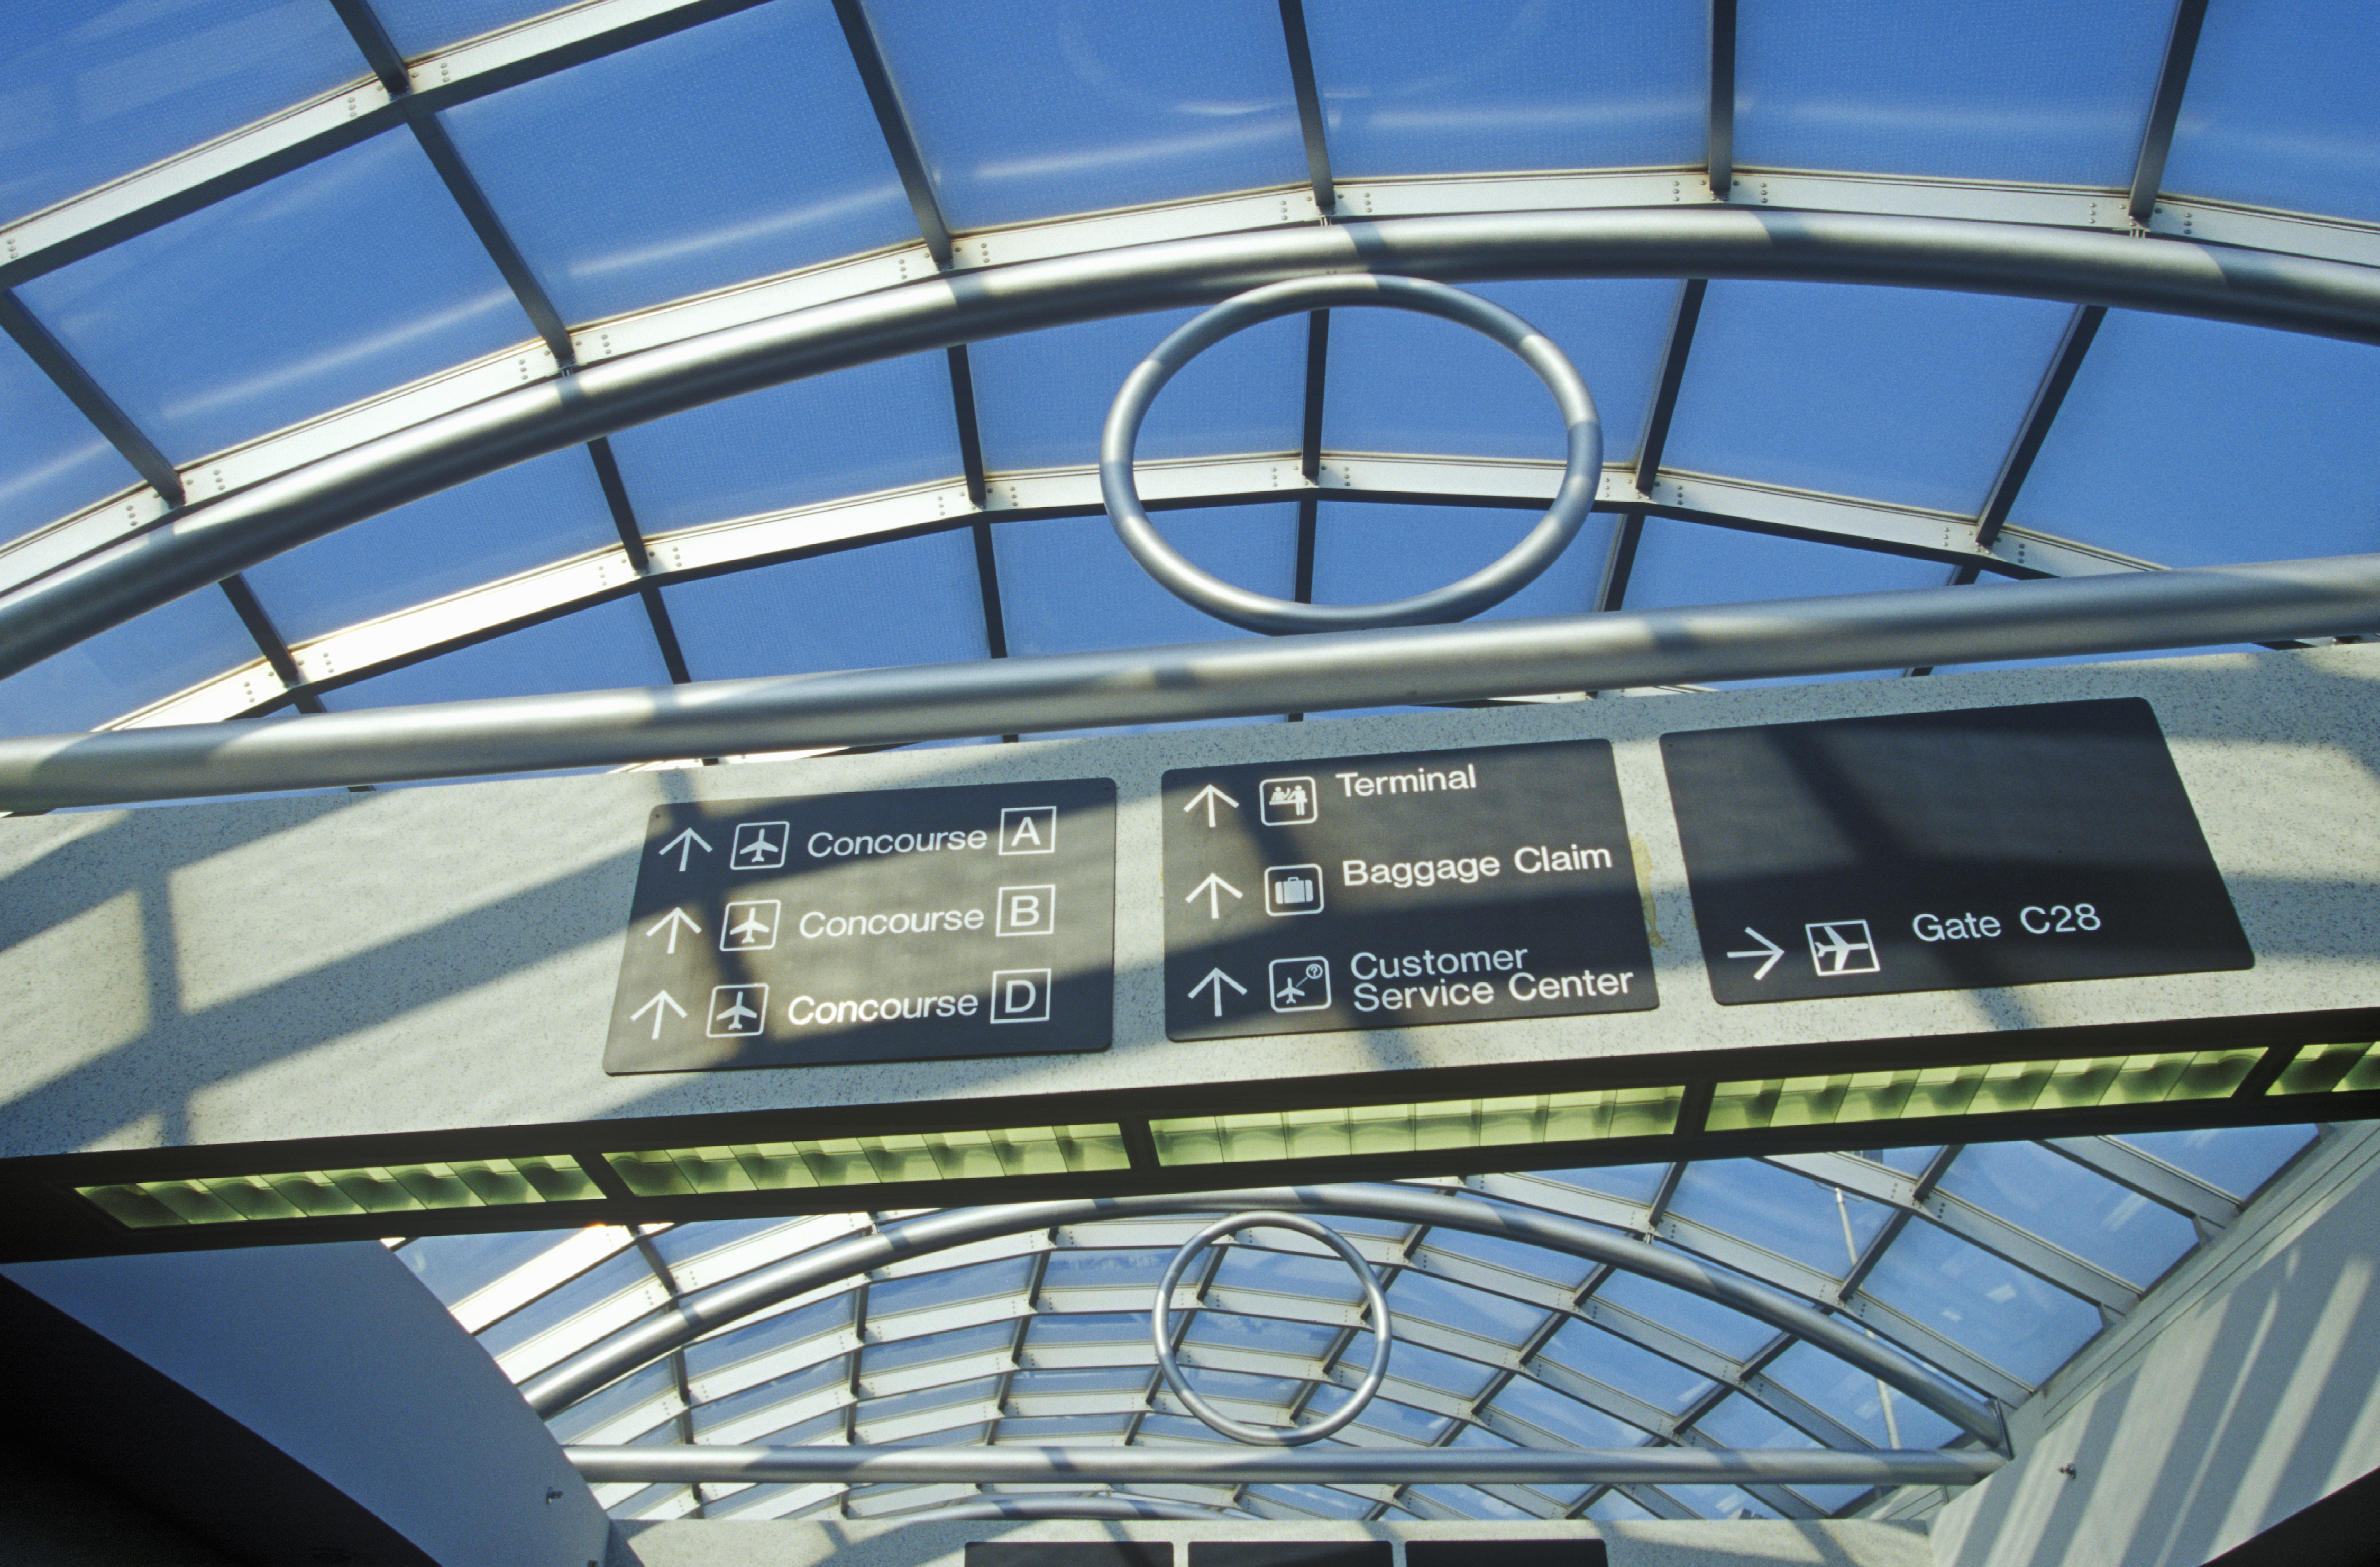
(1937, 851)
(1379, 891)
(896, 925)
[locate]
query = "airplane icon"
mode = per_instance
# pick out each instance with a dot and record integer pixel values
(1846, 947)
(737, 1010)
(759, 845)
(750, 926)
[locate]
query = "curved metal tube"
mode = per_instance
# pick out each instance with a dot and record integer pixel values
(688, 1319)
(1484, 589)
(1247, 1466)
(208, 543)
(2269, 601)
(988, 1508)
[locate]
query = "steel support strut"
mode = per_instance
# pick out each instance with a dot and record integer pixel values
(203, 545)
(2051, 617)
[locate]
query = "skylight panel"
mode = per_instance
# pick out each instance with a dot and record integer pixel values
(126, 667)
(456, 1267)
(1685, 563)
(1992, 1308)
(1702, 1321)
(1410, 88)
(1900, 395)
(54, 462)
(1613, 1361)
(1564, 1419)
(1067, 585)
(909, 600)
(1042, 397)
(1245, 1269)
(2169, 414)
(333, 282)
(1404, 382)
(2072, 1207)
(1851, 1396)
(1368, 552)
(2237, 1159)
(93, 92)
(736, 150)
(1036, 108)
(600, 649)
(875, 427)
(2280, 108)
(1779, 1212)
(2017, 90)
(417, 27)
(544, 510)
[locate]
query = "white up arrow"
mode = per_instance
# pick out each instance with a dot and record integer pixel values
(684, 844)
(1208, 796)
(1768, 949)
(670, 922)
(1218, 979)
(654, 1006)
(1213, 888)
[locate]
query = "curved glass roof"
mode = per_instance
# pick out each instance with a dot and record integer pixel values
(1993, 1262)
(241, 237)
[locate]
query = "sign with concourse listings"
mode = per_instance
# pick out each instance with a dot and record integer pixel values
(896, 925)
(1378, 892)
(1943, 851)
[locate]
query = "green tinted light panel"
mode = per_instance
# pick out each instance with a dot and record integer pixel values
(333, 1193)
(2331, 1069)
(868, 1161)
(1418, 1128)
(2000, 1089)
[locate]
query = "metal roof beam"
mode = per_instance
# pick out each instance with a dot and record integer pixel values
(1721, 159)
(1310, 122)
(89, 398)
(899, 137)
(2164, 108)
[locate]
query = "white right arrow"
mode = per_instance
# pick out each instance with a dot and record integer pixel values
(654, 1006)
(1768, 949)
(1212, 889)
(670, 922)
(1218, 979)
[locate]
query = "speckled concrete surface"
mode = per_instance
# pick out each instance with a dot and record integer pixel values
(431, 958)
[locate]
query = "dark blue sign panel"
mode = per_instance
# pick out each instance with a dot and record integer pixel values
(1378, 892)
(1946, 851)
(899, 925)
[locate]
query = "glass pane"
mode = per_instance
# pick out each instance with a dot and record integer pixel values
(1564, 1419)
(1087, 1327)
(1610, 1359)
(1366, 552)
(1042, 397)
(52, 463)
(1401, 1421)
(787, 1329)
(988, 1338)
(1687, 562)
(1321, 1501)
(600, 649)
(90, 92)
(1994, 1308)
(632, 1391)
(731, 150)
(2027, 90)
(1706, 1322)
(1073, 1269)
(1034, 108)
(1464, 1309)
(1273, 1334)
(1890, 394)
(547, 509)
(2071, 1207)
(1853, 1397)
(877, 427)
(454, 1267)
(2237, 1159)
(622, 1271)
(1536, 1263)
(2148, 453)
(768, 1395)
(1286, 1274)
(1629, 1183)
(1067, 584)
(2280, 108)
(1777, 1211)
(122, 670)
(1404, 382)
(1412, 87)
(335, 282)
(912, 600)
(1446, 1373)
(982, 1281)
(417, 27)
(1720, 1501)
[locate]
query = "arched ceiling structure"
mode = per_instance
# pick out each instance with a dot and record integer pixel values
(241, 241)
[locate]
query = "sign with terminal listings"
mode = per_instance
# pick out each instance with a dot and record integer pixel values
(1946, 851)
(1381, 891)
(898, 925)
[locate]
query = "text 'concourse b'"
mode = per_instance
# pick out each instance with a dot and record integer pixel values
(900, 924)
(1942, 850)
(1384, 891)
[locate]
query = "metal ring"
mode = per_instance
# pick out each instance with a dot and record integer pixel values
(1161, 1329)
(1490, 586)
